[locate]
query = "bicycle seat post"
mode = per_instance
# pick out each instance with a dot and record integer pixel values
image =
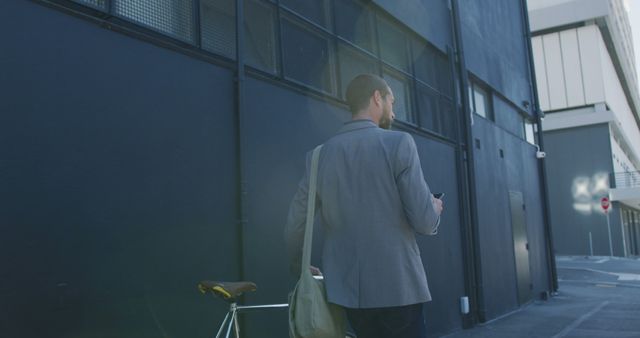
(233, 322)
(236, 326)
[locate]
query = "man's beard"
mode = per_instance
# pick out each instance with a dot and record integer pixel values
(386, 121)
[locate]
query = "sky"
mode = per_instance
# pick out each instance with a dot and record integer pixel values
(633, 8)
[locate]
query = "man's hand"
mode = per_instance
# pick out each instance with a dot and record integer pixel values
(315, 271)
(437, 204)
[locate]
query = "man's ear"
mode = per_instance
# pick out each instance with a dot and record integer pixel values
(377, 98)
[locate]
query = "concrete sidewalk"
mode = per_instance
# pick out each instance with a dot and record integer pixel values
(598, 297)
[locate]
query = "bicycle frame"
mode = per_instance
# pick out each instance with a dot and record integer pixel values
(234, 310)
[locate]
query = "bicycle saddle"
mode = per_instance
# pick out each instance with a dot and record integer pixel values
(228, 291)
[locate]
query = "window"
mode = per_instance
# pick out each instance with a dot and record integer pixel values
(481, 101)
(424, 63)
(352, 63)
(427, 107)
(218, 26)
(393, 44)
(447, 116)
(307, 55)
(529, 131)
(260, 32)
(171, 17)
(314, 10)
(400, 87)
(354, 22)
(443, 75)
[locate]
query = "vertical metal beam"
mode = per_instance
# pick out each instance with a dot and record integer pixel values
(466, 233)
(478, 310)
(241, 199)
(553, 275)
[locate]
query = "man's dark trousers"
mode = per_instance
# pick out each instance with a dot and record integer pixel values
(388, 322)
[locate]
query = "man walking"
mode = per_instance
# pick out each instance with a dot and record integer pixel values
(371, 200)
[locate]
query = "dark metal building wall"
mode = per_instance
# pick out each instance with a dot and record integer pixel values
(117, 181)
(281, 126)
(576, 155)
(496, 239)
(514, 170)
(495, 46)
(442, 254)
(496, 53)
(184, 184)
(523, 176)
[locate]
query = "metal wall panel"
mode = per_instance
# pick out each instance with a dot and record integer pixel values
(541, 72)
(578, 160)
(506, 163)
(555, 71)
(442, 254)
(590, 56)
(572, 66)
(494, 46)
(496, 240)
(118, 182)
(281, 126)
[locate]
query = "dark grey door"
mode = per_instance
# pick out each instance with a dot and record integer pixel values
(520, 246)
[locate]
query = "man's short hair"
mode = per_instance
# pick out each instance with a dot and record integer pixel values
(361, 88)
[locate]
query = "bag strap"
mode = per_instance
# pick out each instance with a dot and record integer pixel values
(311, 208)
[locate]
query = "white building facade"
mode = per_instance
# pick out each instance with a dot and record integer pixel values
(588, 88)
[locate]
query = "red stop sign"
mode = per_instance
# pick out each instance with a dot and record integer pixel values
(604, 202)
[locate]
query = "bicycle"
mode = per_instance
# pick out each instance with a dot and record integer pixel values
(229, 292)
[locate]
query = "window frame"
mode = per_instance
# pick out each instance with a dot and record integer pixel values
(488, 99)
(331, 48)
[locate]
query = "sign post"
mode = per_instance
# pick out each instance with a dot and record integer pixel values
(604, 202)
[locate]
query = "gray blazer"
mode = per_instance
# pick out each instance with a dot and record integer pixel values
(372, 199)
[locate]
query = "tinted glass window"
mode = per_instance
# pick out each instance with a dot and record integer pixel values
(314, 10)
(425, 63)
(400, 87)
(427, 107)
(482, 102)
(447, 118)
(260, 42)
(218, 26)
(530, 131)
(444, 75)
(171, 17)
(307, 56)
(352, 63)
(354, 22)
(393, 44)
